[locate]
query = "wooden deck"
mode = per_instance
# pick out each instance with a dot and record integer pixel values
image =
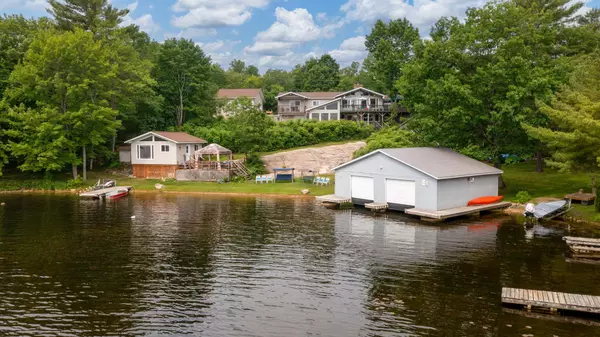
(583, 247)
(377, 206)
(551, 300)
(456, 212)
(334, 199)
(584, 198)
(97, 194)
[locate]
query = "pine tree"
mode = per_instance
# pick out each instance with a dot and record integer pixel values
(576, 112)
(96, 16)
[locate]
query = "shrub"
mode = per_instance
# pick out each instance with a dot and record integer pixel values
(255, 164)
(597, 201)
(387, 138)
(523, 197)
(74, 183)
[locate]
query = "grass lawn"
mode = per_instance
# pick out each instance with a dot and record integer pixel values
(522, 177)
(248, 187)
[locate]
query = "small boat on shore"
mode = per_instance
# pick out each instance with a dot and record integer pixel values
(547, 210)
(117, 194)
(485, 200)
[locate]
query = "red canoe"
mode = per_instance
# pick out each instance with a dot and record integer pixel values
(485, 200)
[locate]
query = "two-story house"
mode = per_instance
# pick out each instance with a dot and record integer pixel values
(358, 104)
(230, 95)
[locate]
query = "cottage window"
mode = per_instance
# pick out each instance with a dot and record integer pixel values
(316, 103)
(314, 116)
(149, 139)
(196, 147)
(145, 152)
(333, 116)
(325, 116)
(373, 101)
(164, 148)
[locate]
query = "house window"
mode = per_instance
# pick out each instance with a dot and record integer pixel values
(332, 106)
(373, 101)
(196, 147)
(345, 103)
(316, 103)
(164, 148)
(148, 139)
(325, 116)
(314, 116)
(333, 116)
(145, 152)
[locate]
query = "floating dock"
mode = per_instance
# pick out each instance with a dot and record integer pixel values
(455, 212)
(101, 193)
(334, 199)
(583, 247)
(377, 206)
(551, 300)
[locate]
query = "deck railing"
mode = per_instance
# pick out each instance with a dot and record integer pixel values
(364, 108)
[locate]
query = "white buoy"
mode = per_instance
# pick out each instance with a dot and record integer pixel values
(2, 204)
(133, 216)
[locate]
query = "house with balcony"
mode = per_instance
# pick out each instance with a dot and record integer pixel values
(358, 104)
(230, 95)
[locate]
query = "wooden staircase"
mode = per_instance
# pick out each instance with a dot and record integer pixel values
(239, 169)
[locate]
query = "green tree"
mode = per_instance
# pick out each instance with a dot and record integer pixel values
(96, 16)
(317, 74)
(237, 66)
(65, 77)
(278, 77)
(251, 71)
(575, 110)
(249, 125)
(270, 97)
(16, 33)
(475, 82)
(183, 73)
(391, 46)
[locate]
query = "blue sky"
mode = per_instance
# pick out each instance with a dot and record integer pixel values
(273, 33)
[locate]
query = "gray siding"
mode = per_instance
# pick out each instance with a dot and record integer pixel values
(457, 192)
(380, 167)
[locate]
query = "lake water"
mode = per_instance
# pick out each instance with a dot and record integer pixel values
(218, 266)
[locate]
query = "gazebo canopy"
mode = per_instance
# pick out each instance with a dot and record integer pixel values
(213, 149)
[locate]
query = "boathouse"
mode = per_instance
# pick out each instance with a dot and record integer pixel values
(427, 178)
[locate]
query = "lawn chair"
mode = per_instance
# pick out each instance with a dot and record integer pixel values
(325, 182)
(268, 179)
(259, 179)
(317, 181)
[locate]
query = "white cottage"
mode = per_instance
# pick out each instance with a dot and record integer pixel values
(158, 154)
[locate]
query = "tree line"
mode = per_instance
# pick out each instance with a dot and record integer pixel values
(77, 83)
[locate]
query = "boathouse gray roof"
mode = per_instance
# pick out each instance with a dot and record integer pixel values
(439, 163)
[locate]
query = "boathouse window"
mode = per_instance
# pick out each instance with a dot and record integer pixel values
(471, 179)
(145, 152)
(164, 148)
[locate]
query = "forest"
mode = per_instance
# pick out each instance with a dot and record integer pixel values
(518, 77)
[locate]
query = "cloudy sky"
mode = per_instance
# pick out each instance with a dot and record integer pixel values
(273, 33)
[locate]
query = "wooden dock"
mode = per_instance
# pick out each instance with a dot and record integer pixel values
(334, 199)
(551, 300)
(583, 247)
(584, 198)
(377, 206)
(455, 212)
(101, 193)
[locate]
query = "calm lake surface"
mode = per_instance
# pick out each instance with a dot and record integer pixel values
(218, 266)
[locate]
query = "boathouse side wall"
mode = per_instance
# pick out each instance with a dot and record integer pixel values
(457, 192)
(381, 167)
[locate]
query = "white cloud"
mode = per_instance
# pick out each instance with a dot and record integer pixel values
(20, 4)
(211, 47)
(421, 13)
(321, 16)
(290, 30)
(352, 49)
(210, 13)
(192, 33)
(145, 22)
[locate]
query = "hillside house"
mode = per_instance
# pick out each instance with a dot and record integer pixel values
(358, 104)
(230, 95)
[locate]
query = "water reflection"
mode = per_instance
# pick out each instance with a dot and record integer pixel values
(217, 266)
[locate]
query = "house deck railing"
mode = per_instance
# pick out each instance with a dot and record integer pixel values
(364, 108)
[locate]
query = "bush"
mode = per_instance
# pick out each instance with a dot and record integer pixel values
(255, 164)
(597, 201)
(387, 138)
(285, 135)
(523, 197)
(74, 183)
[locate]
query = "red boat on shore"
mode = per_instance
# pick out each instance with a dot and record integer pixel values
(120, 193)
(485, 200)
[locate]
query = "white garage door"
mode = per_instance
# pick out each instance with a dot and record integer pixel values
(400, 192)
(363, 188)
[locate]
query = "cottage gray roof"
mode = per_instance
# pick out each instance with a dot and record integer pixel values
(439, 163)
